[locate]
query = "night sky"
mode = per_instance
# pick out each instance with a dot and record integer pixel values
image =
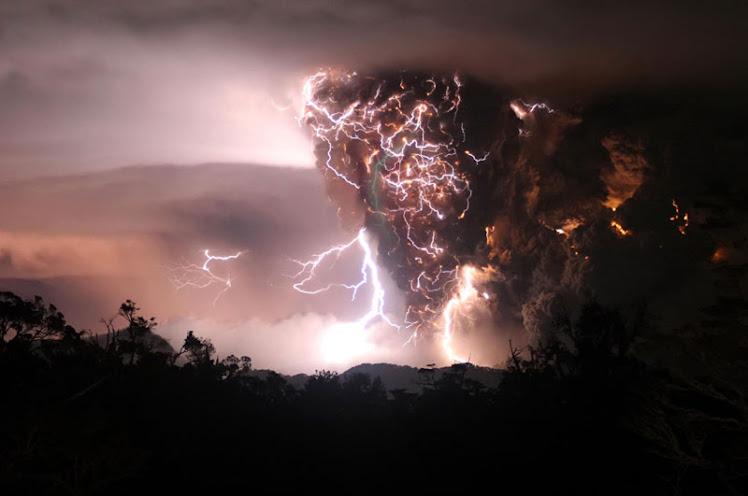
(134, 135)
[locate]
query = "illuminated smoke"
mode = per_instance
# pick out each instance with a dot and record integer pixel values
(629, 169)
(460, 306)
(524, 110)
(619, 229)
(401, 144)
(489, 213)
(680, 219)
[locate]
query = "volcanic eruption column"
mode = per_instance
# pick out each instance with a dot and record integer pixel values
(401, 144)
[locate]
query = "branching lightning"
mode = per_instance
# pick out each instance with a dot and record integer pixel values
(369, 273)
(202, 276)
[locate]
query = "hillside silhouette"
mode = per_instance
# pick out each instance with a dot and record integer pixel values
(396, 377)
(122, 411)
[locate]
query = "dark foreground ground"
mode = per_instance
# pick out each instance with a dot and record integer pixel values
(118, 415)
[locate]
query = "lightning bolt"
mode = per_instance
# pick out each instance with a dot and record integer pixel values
(202, 276)
(369, 274)
(524, 112)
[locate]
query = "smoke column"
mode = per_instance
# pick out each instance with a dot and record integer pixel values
(401, 158)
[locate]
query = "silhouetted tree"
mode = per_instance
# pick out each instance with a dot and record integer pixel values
(234, 367)
(199, 350)
(27, 321)
(323, 381)
(136, 339)
(91, 419)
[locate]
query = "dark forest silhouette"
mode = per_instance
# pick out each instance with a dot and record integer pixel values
(123, 411)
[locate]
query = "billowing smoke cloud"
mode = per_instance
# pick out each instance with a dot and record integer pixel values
(414, 158)
(628, 172)
(626, 202)
(556, 208)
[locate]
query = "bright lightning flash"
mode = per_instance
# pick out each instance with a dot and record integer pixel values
(345, 341)
(369, 273)
(463, 301)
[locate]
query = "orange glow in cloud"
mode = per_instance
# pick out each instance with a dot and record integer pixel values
(618, 228)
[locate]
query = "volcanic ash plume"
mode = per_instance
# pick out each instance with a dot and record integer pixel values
(497, 216)
(401, 157)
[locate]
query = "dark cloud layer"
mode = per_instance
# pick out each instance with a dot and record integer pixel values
(665, 263)
(515, 40)
(86, 84)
